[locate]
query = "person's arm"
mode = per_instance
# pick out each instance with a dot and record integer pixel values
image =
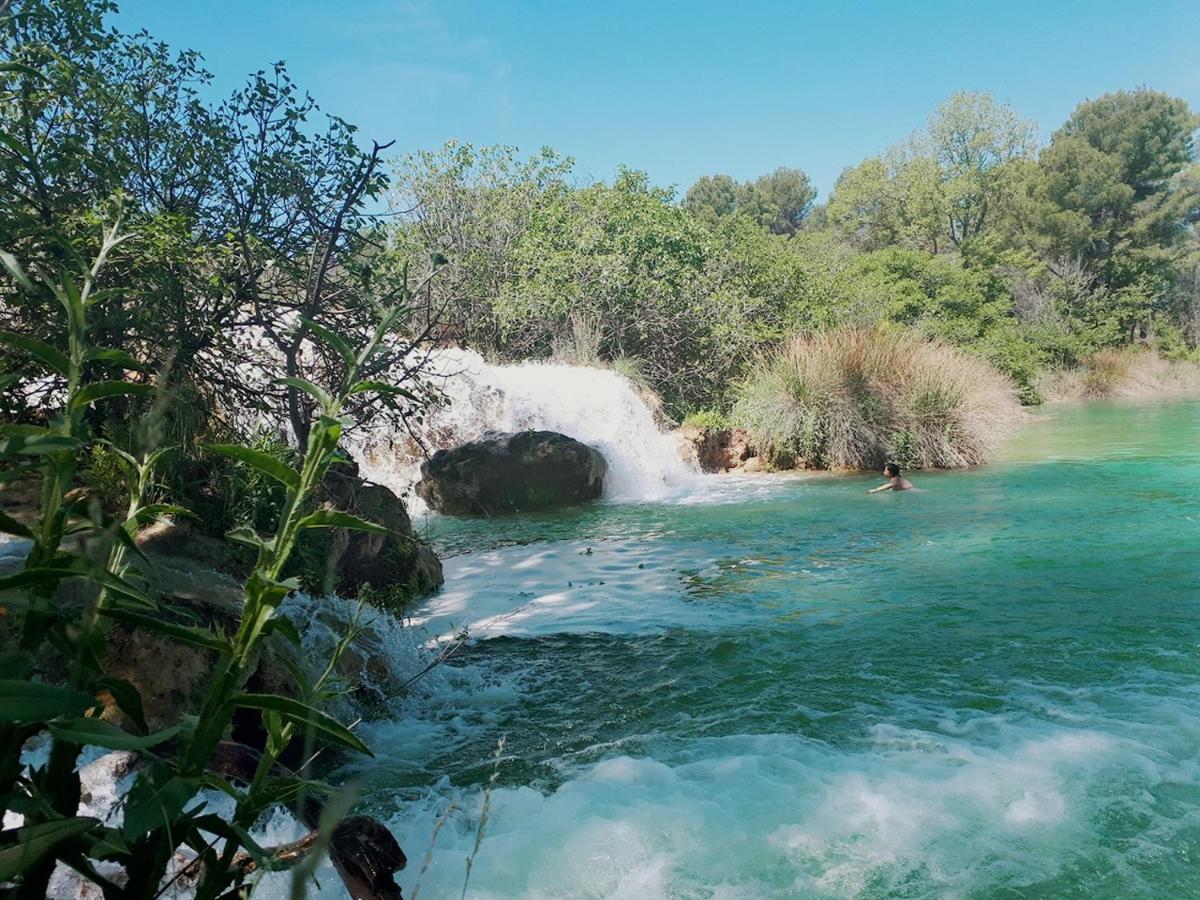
(883, 487)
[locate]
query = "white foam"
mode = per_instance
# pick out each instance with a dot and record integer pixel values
(781, 815)
(595, 406)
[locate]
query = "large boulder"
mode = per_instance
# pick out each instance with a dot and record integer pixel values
(503, 473)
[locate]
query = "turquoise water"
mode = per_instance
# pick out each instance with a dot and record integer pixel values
(781, 687)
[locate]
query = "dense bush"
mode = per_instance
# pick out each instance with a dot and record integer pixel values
(856, 398)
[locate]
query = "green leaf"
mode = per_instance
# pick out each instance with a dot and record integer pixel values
(17, 68)
(110, 845)
(156, 511)
(7, 259)
(99, 733)
(127, 698)
(15, 664)
(240, 837)
(9, 525)
(313, 390)
(53, 359)
(36, 701)
(39, 445)
(35, 576)
(304, 716)
(263, 462)
(187, 634)
(284, 627)
(117, 357)
(101, 390)
(23, 154)
(382, 387)
(334, 340)
(247, 537)
(76, 568)
(35, 841)
(156, 800)
(333, 518)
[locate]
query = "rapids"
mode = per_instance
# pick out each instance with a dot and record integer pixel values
(781, 687)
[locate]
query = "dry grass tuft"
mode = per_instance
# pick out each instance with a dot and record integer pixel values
(1125, 372)
(856, 398)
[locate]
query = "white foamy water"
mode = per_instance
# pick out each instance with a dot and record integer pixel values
(908, 812)
(595, 406)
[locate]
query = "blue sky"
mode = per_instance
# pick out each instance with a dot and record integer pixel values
(685, 89)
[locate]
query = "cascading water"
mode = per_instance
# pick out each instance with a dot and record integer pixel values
(596, 406)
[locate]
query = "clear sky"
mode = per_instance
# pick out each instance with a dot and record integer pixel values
(685, 89)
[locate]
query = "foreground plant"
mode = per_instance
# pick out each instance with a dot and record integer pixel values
(52, 672)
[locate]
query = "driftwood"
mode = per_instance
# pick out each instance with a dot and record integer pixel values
(362, 850)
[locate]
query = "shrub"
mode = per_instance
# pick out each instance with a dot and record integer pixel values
(1124, 372)
(856, 398)
(707, 418)
(1103, 372)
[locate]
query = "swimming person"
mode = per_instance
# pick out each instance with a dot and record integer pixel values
(896, 481)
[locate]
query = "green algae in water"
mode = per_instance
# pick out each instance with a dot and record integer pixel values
(988, 688)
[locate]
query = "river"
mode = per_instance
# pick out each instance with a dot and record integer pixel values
(782, 687)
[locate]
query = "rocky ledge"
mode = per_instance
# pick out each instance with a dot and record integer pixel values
(720, 449)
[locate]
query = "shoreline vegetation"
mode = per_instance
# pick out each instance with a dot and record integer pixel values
(855, 399)
(200, 303)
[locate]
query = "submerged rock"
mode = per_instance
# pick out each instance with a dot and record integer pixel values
(503, 473)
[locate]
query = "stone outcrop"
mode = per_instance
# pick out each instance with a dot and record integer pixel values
(505, 473)
(719, 449)
(398, 566)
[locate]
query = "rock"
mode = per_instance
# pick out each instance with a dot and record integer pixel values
(172, 677)
(504, 473)
(181, 539)
(389, 569)
(718, 449)
(753, 464)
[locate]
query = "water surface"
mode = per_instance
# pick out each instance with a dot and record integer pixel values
(781, 687)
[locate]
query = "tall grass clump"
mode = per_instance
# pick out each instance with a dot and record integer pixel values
(1124, 372)
(856, 398)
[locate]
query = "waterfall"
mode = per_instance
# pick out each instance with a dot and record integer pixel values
(596, 406)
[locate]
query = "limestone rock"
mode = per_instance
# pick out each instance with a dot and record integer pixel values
(504, 473)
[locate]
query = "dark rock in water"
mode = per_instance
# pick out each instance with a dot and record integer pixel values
(504, 473)
(398, 566)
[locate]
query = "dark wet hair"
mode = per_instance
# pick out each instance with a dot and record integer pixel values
(892, 469)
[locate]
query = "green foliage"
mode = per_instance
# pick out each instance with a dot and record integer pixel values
(160, 812)
(707, 418)
(779, 202)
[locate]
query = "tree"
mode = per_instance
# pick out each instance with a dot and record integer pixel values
(890, 201)
(712, 197)
(1117, 190)
(947, 185)
(778, 202)
(247, 219)
(972, 138)
(1151, 135)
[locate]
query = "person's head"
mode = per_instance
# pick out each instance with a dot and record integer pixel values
(891, 470)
